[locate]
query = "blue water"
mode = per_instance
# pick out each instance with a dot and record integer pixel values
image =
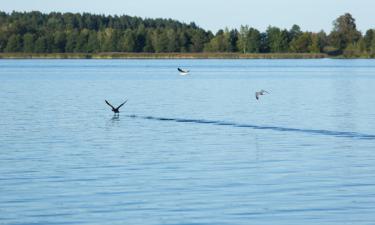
(196, 149)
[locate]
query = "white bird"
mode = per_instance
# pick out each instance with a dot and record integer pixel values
(261, 92)
(182, 71)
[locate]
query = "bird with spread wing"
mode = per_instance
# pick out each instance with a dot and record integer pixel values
(261, 92)
(115, 109)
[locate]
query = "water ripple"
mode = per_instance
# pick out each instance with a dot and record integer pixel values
(345, 134)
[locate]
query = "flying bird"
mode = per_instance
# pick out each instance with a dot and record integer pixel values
(182, 71)
(261, 92)
(115, 109)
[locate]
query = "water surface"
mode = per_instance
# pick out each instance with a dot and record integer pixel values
(196, 149)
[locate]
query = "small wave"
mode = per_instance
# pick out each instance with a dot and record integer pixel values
(346, 134)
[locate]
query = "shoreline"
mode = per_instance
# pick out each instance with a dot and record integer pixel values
(205, 55)
(120, 55)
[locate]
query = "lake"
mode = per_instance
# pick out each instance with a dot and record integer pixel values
(195, 149)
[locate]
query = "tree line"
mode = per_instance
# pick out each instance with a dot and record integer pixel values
(36, 32)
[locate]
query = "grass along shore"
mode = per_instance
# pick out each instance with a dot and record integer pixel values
(121, 55)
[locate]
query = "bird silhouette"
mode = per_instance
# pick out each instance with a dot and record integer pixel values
(115, 109)
(261, 92)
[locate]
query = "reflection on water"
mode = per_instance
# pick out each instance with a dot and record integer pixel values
(205, 153)
(116, 117)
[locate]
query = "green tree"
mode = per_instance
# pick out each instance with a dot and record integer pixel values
(264, 43)
(184, 41)
(361, 46)
(41, 45)
(3, 41)
(344, 32)
(28, 43)
(140, 39)
(172, 38)
(233, 38)
(148, 47)
(71, 40)
(59, 41)
(74, 32)
(108, 45)
(243, 36)
(198, 40)
(92, 42)
(14, 43)
(159, 40)
(302, 43)
(314, 46)
(295, 32)
(352, 50)
(220, 43)
(323, 40)
(253, 41)
(128, 41)
(82, 40)
(277, 39)
(369, 36)
(372, 48)
(116, 37)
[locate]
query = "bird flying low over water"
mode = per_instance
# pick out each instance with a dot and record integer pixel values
(261, 92)
(115, 109)
(182, 71)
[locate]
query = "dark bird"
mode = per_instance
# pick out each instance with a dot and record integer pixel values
(183, 72)
(115, 110)
(261, 92)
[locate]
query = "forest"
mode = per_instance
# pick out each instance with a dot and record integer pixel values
(36, 32)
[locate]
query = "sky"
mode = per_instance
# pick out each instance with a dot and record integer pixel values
(310, 15)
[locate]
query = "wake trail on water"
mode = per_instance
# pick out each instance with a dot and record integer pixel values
(345, 134)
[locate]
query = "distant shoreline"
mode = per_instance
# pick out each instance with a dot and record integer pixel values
(120, 55)
(206, 55)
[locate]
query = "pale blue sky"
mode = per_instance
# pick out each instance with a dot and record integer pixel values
(311, 15)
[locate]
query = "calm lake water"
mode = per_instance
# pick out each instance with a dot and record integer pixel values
(196, 149)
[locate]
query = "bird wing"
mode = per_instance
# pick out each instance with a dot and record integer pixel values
(121, 104)
(265, 91)
(109, 104)
(183, 71)
(257, 95)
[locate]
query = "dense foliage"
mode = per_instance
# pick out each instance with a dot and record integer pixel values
(35, 32)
